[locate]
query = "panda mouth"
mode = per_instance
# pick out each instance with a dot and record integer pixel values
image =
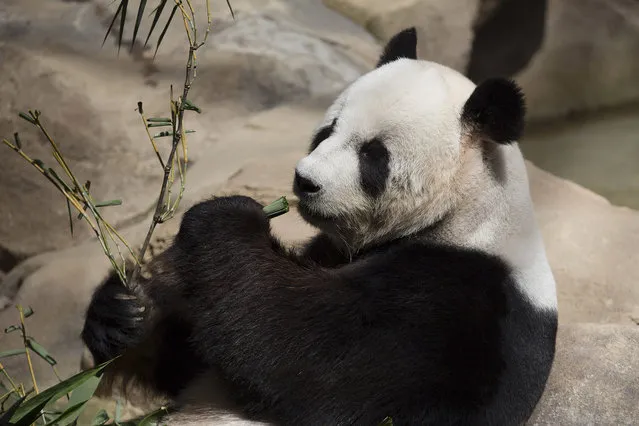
(311, 214)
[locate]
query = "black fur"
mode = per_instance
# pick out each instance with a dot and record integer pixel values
(374, 167)
(323, 134)
(496, 111)
(155, 347)
(425, 334)
(401, 45)
(113, 320)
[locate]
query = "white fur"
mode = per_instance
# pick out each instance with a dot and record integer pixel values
(436, 173)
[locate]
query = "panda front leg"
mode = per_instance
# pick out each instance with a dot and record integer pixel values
(150, 341)
(300, 343)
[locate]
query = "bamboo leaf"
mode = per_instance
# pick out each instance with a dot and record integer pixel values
(6, 416)
(11, 352)
(30, 410)
(77, 401)
(68, 416)
(59, 180)
(159, 124)
(158, 120)
(41, 351)
(166, 27)
(11, 329)
(189, 106)
(100, 419)
(16, 138)
(146, 420)
(386, 422)
(109, 203)
(28, 312)
(70, 217)
(27, 118)
(39, 162)
(138, 19)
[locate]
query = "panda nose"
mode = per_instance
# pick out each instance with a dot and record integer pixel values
(304, 185)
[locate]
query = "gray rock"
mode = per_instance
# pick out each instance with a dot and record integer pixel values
(588, 60)
(94, 141)
(583, 59)
(595, 378)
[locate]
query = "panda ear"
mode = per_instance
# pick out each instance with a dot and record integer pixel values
(496, 111)
(401, 45)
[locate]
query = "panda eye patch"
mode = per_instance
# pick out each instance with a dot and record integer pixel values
(374, 167)
(323, 134)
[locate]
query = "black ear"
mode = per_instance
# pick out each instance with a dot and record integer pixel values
(401, 45)
(496, 110)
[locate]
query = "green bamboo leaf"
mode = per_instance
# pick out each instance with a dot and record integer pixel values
(77, 401)
(158, 120)
(6, 416)
(39, 162)
(28, 412)
(28, 312)
(27, 118)
(11, 352)
(166, 27)
(188, 105)
(70, 217)
(138, 20)
(109, 203)
(68, 416)
(101, 418)
(59, 179)
(158, 11)
(16, 138)
(11, 329)
(41, 351)
(386, 422)
(146, 420)
(159, 124)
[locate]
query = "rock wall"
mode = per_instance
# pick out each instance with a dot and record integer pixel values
(263, 85)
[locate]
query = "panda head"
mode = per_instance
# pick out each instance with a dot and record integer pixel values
(403, 146)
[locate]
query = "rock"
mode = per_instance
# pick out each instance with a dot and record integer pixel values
(569, 56)
(91, 139)
(444, 28)
(588, 59)
(594, 379)
(286, 63)
(598, 151)
(592, 249)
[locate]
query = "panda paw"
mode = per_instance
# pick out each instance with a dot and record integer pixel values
(114, 320)
(223, 219)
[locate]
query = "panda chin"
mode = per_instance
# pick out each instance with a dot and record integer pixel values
(313, 217)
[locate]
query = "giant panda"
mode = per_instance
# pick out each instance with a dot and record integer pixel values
(426, 297)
